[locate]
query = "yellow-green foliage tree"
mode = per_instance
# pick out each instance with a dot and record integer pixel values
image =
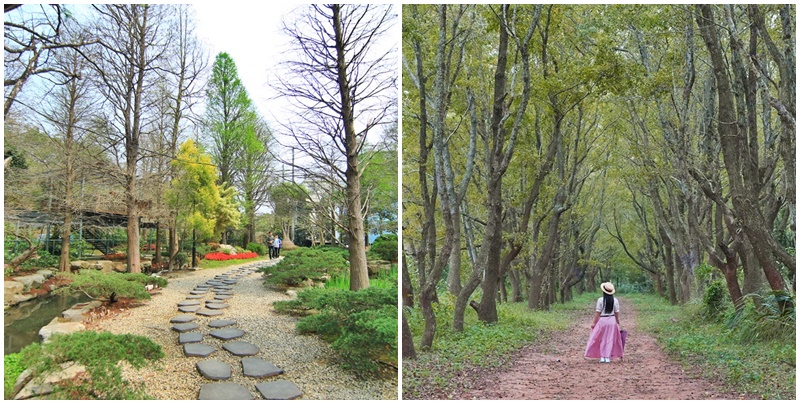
(200, 202)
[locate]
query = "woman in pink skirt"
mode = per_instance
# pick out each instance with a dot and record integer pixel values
(605, 341)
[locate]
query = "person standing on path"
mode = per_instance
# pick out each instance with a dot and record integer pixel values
(270, 241)
(277, 246)
(605, 341)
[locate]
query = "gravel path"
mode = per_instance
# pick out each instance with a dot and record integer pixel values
(306, 360)
(555, 369)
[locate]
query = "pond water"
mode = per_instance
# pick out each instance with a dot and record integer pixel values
(23, 321)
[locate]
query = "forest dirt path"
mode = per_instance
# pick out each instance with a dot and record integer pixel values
(555, 369)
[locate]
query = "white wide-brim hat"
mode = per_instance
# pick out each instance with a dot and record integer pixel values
(607, 287)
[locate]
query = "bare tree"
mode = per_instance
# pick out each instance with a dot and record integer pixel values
(340, 84)
(29, 45)
(130, 51)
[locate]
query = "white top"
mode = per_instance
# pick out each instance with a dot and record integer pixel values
(599, 306)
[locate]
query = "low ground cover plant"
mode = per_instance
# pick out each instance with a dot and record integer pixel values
(99, 352)
(109, 286)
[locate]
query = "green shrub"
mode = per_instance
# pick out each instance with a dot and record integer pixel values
(257, 248)
(714, 301)
(110, 286)
(385, 247)
(361, 326)
(302, 264)
(45, 260)
(100, 353)
(774, 318)
(12, 368)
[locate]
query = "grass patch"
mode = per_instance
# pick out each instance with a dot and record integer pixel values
(211, 264)
(763, 368)
(11, 371)
(480, 346)
(384, 280)
(305, 263)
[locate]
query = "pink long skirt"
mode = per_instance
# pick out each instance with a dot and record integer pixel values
(604, 341)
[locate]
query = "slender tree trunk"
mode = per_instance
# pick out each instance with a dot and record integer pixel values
(408, 340)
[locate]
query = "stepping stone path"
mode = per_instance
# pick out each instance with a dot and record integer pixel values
(209, 312)
(256, 367)
(222, 286)
(183, 327)
(183, 318)
(214, 369)
(279, 390)
(220, 323)
(240, 348)
(226, 333)
(201, 350)
(190, 337)
(224, 391)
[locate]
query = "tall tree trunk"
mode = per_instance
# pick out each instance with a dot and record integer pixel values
(359, 275)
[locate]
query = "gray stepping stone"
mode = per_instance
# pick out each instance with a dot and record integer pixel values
(222, 297)
(221, 323)
(187, 303)
(226, 287)
(209, 312)
(183, 327)
(190, 337)
(189, 309)
(230, 282)
(257, 367)
(240, 348)
(215, 283)
(194, 297)
(279, 390)
(198, 292)
(215, 301)
(183, 318)
(198, 350)
(224, 391)
(227, 333)
(214, 369)
(217, 306)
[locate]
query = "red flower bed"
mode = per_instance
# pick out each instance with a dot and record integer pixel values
(220, 256)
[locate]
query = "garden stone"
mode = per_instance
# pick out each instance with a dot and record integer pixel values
(257, 367)
(240, 348)
(190, 337)
(183, 318)
(47, 273)
(209, 312)
(56, 327)
(185, 327)
(224, 391)
(221, 323)
(198, 292)
(227, 333)
(198, 350)
(214, 369)
(189, 309)
(46, 386)
(194, 297)
(215, 301)
(222, 297)
(78, 311)
(106, 266)
(279, 390)
(187, 303)
(217, 306)
(12, 288)
(31, 281)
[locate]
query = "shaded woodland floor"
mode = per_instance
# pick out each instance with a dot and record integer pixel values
(555, 369)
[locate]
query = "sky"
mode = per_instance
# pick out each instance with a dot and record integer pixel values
(253, 37)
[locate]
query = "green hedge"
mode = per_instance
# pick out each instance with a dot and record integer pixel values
(385, 247)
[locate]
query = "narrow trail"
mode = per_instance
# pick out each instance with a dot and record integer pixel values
(555, 369)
